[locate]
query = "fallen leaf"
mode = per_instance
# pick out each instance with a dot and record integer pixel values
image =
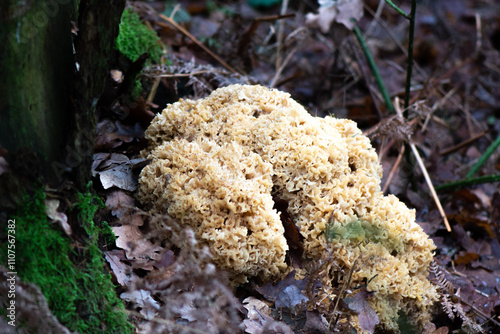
(167, 259)
(142, 298)
(348, 10)
(367, 317)
(111, 134)
(258, 320)
(290, 297)
(98, 159)
(315, 323)
(122, 271)
(119, 202)
(323, 20)
(4, 166)
(271, 291)
(342, 11)
(466, 258)
(120, 177)
(430, 328)
(51, 206)
(113, 160)
(255, 306)
(136, 246)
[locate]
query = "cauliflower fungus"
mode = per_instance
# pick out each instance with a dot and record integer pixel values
(216, 164)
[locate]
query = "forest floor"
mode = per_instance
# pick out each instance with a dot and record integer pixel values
(454, 116)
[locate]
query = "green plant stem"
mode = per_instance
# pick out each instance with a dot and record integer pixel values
(409, 73)
(373, 67)
(409, 70)
(469, 182)
(399, 10)
(484, 157)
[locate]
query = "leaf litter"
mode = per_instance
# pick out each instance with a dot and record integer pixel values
(171, 286)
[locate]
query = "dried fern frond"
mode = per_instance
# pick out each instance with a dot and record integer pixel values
(451, 302)
(440, 278)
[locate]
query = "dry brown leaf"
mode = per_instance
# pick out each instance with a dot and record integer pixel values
(111, 134)
(119, 202)
(367, 317)
(4, 166)
(142, 298)
(122, 271)
(136, 247)
(342, 11)
(258, 320)
(254, 306)
(51, 206)
(120, 177)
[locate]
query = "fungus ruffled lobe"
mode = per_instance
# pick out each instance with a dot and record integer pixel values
(216, 161)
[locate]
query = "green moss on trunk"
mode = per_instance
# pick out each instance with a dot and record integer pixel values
(77, 287)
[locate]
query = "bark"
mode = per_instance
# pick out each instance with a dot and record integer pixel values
(48, 93)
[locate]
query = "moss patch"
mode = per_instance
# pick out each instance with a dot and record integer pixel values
(135, 38)
(361, 231)
(77, 287)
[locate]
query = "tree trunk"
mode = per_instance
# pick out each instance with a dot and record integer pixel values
(51, 82)
(36, 68)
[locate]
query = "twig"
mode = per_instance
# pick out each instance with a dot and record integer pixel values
(399, 10)
(431, 187)
(479, 37)
(393, 169)
(344, 287)
(484, 157)
(426, 176)
(478, 311)
(195, 40)
(246, 38)
(437, 105)
(154, 89)
(462, 144)
(281, 27)
(279, 70)
(373, 67)
(179, 75)
(376, 17)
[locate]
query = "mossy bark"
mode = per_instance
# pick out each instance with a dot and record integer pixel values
(50, 82)
(36, 68)
(50, 85)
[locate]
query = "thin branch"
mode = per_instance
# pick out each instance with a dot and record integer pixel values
(195, 40)
(431, 187)
(479, 34)
(344, 288)
(462, 144)
(281, 68)
(394, 169)
(180, 75)
(281, 28)
(425, 173)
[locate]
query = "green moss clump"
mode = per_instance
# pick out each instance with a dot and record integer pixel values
(78, 289)
(135, 38)
(361, 231)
